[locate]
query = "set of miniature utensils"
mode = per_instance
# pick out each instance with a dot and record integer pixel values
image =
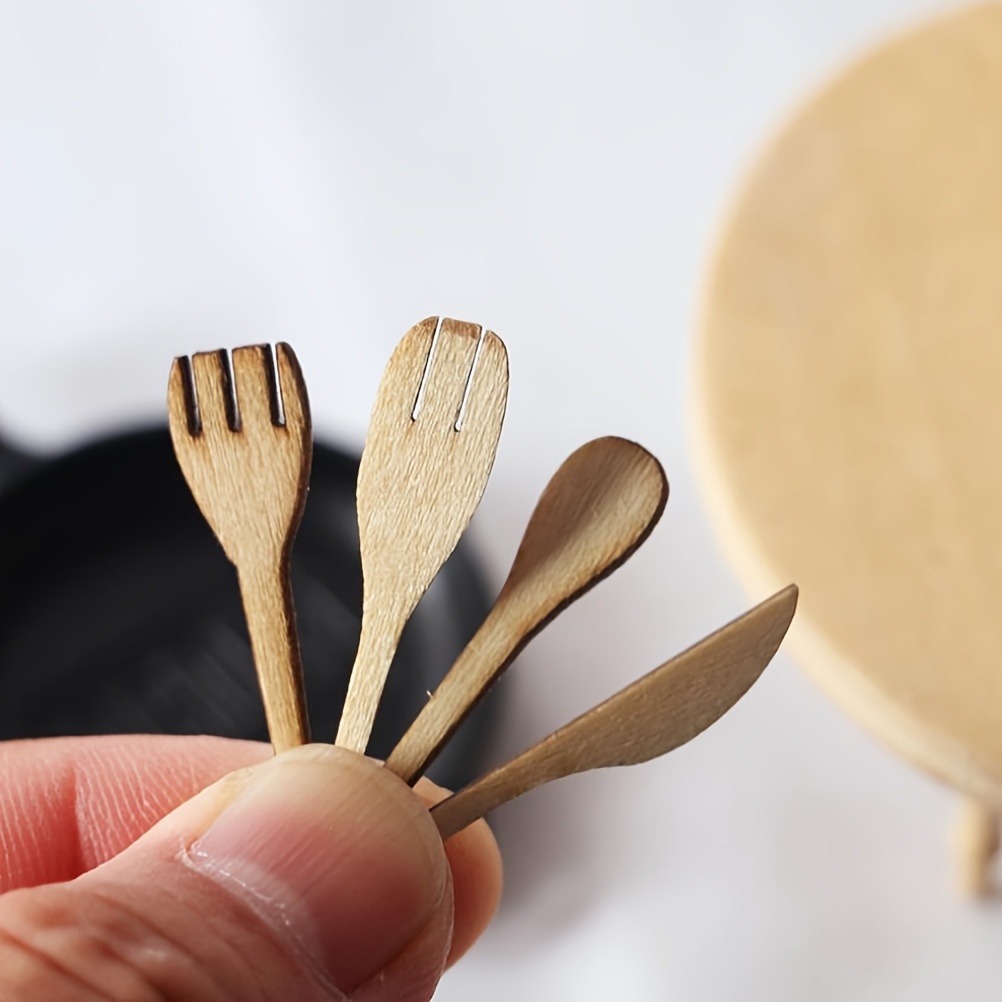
(241, 431)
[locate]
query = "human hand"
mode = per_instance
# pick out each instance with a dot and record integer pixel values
(312, 876)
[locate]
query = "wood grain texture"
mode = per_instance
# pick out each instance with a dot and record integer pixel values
(848, 408)
(601, 505)
(248, 474)
(666, 708)
(428, 453)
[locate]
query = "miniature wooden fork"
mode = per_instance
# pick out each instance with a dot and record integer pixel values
(428, 454)
(666, 708)
(244, 444)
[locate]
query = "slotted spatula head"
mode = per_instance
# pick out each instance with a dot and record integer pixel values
(429, 451)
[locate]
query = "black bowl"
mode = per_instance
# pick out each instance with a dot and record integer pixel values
(120, 613)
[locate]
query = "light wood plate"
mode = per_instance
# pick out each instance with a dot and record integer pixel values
(848, 411)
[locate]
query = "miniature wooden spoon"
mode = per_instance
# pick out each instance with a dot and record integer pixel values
(429, 451)
(666, 708)
(598, 508)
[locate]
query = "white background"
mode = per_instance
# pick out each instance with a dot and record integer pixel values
(184, 175)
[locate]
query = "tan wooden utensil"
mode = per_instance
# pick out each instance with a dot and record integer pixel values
(598, 508)
(244, 445)
(428, 454)
(666, 708)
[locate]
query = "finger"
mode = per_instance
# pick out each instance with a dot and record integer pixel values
(308, 876)
(475, 861)
(68, 804)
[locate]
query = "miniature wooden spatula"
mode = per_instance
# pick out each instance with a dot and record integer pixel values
(666, 708)
(598, 508)
(428, 454)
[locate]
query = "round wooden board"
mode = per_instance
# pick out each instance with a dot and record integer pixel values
(849, 391)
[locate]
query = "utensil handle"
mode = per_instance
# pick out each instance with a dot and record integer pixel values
(484, 658)
(518, 776)
(271, 623)
(377, 644)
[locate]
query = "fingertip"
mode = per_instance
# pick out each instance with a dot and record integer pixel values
(477, 876)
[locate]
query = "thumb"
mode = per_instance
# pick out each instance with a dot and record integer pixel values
(309, 876)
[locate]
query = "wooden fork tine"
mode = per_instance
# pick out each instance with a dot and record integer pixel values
(454, 353)
(295, 402)
(212, 392)
(481, 397)
(254, 378)
(181, 410)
